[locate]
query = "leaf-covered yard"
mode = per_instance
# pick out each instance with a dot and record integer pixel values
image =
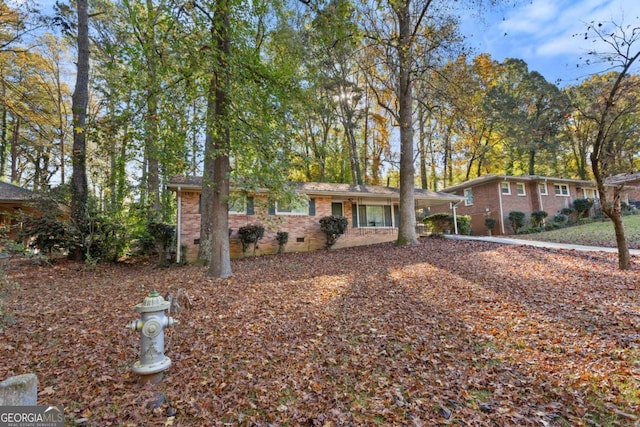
(443, 333)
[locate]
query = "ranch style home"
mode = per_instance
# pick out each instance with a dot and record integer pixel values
(631, 187)
(13, 200)
(496, 195)
(371, 212)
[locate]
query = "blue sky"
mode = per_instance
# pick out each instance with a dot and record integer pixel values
(541, 32)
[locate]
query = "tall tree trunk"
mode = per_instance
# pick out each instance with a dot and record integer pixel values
(406, 230)
(14, 149)
(215, 189)
(356, 174)
(61, 122)
(346, 114)
(208, 177)
(151, 119)
(422, 148)
(365, 140)
(3, 130)
(532, 161)
(79, 101)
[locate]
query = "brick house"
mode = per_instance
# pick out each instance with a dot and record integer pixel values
(13, 200)
(496, 195)
(371, 211)
(631, 187)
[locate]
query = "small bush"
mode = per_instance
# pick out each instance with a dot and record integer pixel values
(516, 219)
(443, 222)
(582, 207)
(572, 216)
(552, 226)
(530, 230)
(561, 219)
(163, 237)
(490, 223)
(282, 237)
(250, 235)
(47, 230)
(537, 217)
(333, 226)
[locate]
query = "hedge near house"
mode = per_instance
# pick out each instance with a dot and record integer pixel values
(250, 235)
(333, 226)
(582, 207)
(516, 219)
(442, 222)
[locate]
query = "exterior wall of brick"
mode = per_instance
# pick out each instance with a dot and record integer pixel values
(490, 201)
(304, 230)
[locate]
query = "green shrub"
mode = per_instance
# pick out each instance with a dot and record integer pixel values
(537, 217)
(516, 219)
(561, 219)
(464, 224)
(250, 235)
(333, 226)
(47, 230)
(163, 237)
(572, 216)
(582, 207)
(531, 230)
(282, 237)
(490, 223)
(443, 222)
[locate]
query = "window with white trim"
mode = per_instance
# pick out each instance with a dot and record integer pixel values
(468, 196)
(561, 189)
(542, 188)
(505, 188)
(520, 189)
(375, 216)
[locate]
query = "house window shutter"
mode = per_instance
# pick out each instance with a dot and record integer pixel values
(396, 215)
(272, 209)
(354, 215)
(387, 216)
(312, 207)
(250, 210)
(362, 211)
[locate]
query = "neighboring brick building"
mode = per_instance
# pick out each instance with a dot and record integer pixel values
(497, 195)
(372, 213)
(13, 200)
(631, 187)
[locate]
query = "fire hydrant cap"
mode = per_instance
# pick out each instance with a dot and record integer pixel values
(152, 302)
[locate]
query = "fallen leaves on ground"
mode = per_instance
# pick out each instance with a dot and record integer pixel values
(440, 333)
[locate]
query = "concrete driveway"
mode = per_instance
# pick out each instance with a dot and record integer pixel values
(539, 244)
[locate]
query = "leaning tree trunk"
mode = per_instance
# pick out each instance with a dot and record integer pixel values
(79, 101)
(613, 210)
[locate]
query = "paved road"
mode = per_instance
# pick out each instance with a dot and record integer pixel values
(510, 241)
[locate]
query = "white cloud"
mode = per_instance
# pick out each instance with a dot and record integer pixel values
(531, 19)
(549, 34)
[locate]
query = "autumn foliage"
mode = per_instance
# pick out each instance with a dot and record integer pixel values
(441, 333)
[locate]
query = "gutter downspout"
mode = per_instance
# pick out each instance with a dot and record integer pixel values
(455, 219)
(501, 210)
(540, 195)
(179, 226)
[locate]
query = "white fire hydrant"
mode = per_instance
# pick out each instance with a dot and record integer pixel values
(153, 321)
